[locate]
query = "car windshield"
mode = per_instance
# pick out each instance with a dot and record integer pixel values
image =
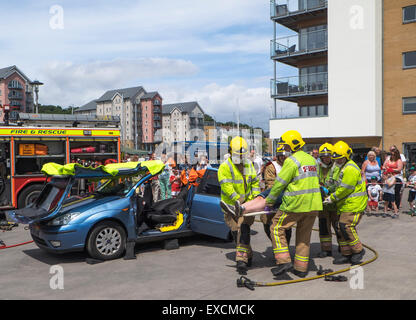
(51, 194)
(106, 187)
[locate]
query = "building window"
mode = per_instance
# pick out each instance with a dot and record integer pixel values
(313, 111)
(409, 105)
(409, 60)
(409, 14)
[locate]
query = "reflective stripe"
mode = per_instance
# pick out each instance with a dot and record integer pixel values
(285, 249)
(256, 189)
(357, 194)
(297, 164)
(305, 175)
(284, 182)
(335, 197)
(231, 169)
(272, 197)
(275, 231)
(347, 186)
(231, 181)
(232, 196)
(300, 258)
(351, 165)
(242, 249)
(297, 193)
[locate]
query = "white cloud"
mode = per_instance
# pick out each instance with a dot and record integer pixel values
(76, 83)
(223, 102)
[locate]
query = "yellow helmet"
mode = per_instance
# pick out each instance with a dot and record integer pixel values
(325, 150)
(341, 150)
(280, 150)
(239, 146)
(293, 139)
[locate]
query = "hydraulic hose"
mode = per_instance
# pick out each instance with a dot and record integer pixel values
(243, 281)
(15, 245)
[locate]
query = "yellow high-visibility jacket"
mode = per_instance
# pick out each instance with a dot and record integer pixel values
(350, 194)
(234, 185)
(300, 183)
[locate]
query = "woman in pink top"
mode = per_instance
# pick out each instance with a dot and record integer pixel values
(395, 163)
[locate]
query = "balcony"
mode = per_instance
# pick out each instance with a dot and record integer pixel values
(15, 96)
(157, 117)
(290, 12)
(156, 103)
(290, 50)
(157, 125)
(157, 110)
(293, 88)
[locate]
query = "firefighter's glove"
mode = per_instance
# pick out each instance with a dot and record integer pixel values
(327, 200)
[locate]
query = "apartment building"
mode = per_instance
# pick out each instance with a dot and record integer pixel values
(16, 90)
(356, 65)
(150, 121)
(399, 76)
(335, 54)
(140, 114)
(124, 103)
(183, 122)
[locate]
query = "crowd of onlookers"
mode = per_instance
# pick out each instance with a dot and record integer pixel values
(386, 174)
(169, 182)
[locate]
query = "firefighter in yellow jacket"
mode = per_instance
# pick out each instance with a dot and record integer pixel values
(301, 201)
(328, 216)
(239, 182)
(351, 199)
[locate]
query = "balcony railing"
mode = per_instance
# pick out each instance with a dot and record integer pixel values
(300, 85)
(298, 44)
(157, 110)
(282, 8)
(15, 96)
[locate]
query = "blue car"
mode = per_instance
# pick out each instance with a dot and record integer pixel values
(120, 212)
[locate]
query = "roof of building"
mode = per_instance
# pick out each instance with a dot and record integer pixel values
(6, 72)
(150, 95)
(186, 107)
(127, 93)
(92, 105)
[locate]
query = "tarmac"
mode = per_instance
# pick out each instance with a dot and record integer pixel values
(203, 268)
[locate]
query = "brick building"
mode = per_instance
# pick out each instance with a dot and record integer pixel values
(16, 90)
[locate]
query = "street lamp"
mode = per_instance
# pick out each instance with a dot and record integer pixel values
(36, 85)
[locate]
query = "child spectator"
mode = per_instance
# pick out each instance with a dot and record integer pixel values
(175, 181)
(388, 193)
(374, 194)
(411, 182)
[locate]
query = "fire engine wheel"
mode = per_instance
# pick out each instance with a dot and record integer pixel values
(28, 195)
(106, 241)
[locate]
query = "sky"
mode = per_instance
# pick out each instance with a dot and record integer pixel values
(214, 52)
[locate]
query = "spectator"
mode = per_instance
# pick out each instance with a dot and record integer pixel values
(175, 181)
(315, 153)
(395, 163)
(154, 181)
(164, 180)
(202, 163)
(371, 167)
(375, 193)
(389, 191)
(411, 182)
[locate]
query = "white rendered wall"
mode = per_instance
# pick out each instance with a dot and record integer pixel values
(354, 75)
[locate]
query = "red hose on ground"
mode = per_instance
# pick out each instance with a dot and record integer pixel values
(15, 245)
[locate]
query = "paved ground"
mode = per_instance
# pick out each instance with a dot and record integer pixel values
(203, 268)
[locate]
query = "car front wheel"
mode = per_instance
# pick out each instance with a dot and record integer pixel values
(106, 241)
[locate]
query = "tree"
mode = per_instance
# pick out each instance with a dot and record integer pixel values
(52, 109)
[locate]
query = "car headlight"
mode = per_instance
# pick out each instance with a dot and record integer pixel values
(64, 219)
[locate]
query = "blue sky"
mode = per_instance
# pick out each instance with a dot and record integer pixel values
(215, 52)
